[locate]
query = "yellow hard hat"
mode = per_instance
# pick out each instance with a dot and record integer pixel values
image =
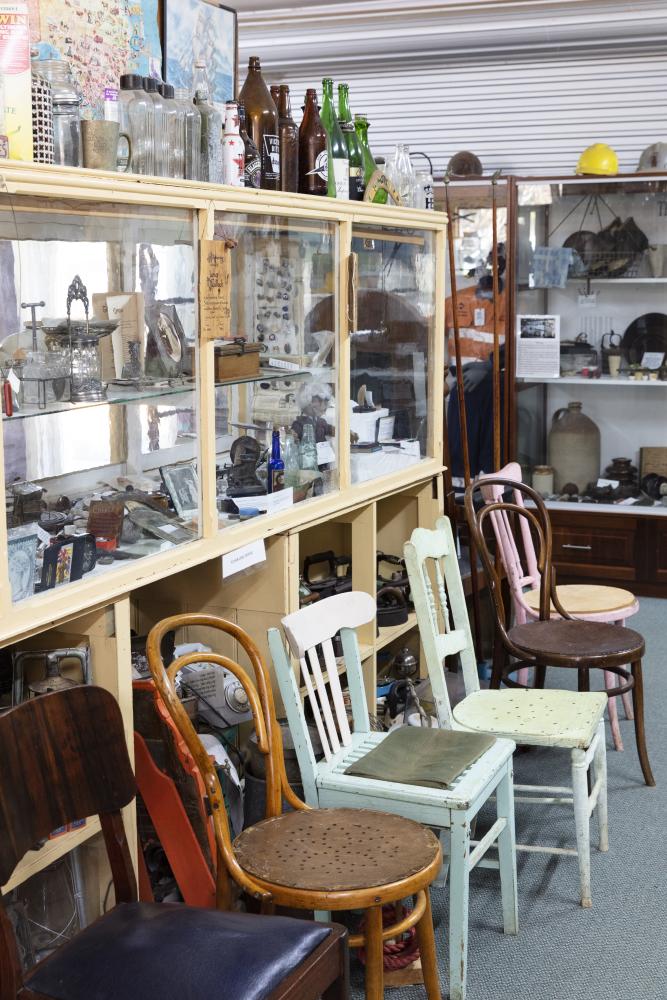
(599, 159)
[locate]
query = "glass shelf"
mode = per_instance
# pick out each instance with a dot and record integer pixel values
(267, 375)
(604, 380)
(115, 395)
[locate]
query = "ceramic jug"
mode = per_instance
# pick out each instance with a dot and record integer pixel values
(574, 448)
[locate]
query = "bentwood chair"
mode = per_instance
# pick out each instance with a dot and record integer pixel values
(308, 859)
(64, 758)
(452, 810)
(590, 602)
(564, 719)
(564, 641)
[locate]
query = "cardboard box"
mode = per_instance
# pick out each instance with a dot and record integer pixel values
(17, 79)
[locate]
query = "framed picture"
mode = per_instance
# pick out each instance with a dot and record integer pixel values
(182, 484)
(22, 552)
(201, 30)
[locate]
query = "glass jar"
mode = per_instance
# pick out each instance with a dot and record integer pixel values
(191, 125)
(159, 131)
(174, 122)
(67, 98)
(136, 119)
(424, 190)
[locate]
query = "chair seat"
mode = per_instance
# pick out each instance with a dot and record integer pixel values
(169, 950)
(335, 850)
(534, 717)
(588, 599)
(560, 642)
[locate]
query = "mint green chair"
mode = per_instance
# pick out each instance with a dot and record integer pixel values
(452, 811)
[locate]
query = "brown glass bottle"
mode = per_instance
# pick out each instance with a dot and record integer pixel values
(262, 123)
(252, 173)
(313, 170)
(289, 142)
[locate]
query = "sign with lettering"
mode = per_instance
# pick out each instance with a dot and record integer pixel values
(215, 291)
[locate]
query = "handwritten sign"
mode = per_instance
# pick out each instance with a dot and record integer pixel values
(215, 291)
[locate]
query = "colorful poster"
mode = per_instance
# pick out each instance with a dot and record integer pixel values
(198, 30)
(100, 38)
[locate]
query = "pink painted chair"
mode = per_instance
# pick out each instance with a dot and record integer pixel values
(587, 601)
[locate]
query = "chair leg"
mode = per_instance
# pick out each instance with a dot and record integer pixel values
(427, 953)
(374, 969)
(340, 988)
(459, 878)
(627, 697)
(638, 703)
(610, 682)
(440, 881)
(600, 764)
(507, 853)
(582, 823)
(498, 662)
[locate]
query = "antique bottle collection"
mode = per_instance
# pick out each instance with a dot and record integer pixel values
(252, 141)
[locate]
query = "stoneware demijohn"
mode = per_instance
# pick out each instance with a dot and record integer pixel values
(574, 448)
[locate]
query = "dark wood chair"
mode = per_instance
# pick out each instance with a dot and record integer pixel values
(308, 859)
(64, 758)
(566, 641)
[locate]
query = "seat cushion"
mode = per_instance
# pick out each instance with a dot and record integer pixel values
(535, 718)
(169, 950)
(589, 599)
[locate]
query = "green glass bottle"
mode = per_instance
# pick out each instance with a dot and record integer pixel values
(354, 151)
(370, 166)
(339, 164)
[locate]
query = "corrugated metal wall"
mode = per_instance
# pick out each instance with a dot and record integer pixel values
(531, 114)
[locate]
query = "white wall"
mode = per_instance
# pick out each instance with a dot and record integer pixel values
(526, 85)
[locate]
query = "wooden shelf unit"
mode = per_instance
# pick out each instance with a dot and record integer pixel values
(103, 608)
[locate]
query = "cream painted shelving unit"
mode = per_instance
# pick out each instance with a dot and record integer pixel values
(44, 204)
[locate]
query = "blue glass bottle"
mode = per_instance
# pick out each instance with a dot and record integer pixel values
(276, 467)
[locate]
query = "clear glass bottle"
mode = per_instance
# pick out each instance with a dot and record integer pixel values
(291, 460)
(211, 127)
(339, 164)
(424, 190)
(135, 114)
(191, 126)
(354, 151)
(233, 148)
(175, 139)
(308, 449)
(67, 98)
(159, 130)
(402, 175)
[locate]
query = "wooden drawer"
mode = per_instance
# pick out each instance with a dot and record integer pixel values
(600, 548)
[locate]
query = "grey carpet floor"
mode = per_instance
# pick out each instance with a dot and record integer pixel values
(618, 949)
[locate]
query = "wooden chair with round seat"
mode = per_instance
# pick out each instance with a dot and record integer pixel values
(590, 602)
(565, 641)
(309, 859)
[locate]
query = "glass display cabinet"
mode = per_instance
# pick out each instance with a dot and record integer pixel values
(589, 331)
(392, 326)
(98, 344)
(284, 281)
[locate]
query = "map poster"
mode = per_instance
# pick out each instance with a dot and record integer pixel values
(101, 39)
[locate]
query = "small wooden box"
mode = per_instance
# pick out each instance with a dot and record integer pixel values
(234, 360)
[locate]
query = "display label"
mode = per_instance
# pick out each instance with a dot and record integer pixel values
(321, 167)
(253, 173)
(325, 453)
(271, 147)
(243, 558)
(342, 177)
(215, 291)
(274, 502)
(479, 317)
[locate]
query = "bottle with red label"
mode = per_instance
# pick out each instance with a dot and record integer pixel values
(233, 148)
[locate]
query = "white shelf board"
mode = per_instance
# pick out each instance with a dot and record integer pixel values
(658, 510)
(391, 632)
(605, 380)
(37, 861)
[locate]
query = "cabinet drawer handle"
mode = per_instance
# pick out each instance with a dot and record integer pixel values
(584, 548)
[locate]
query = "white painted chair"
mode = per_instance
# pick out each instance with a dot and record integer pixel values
(451, 811)
(554, 718)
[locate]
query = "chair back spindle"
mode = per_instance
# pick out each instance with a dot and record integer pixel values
(309, 634)
(441, 611)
